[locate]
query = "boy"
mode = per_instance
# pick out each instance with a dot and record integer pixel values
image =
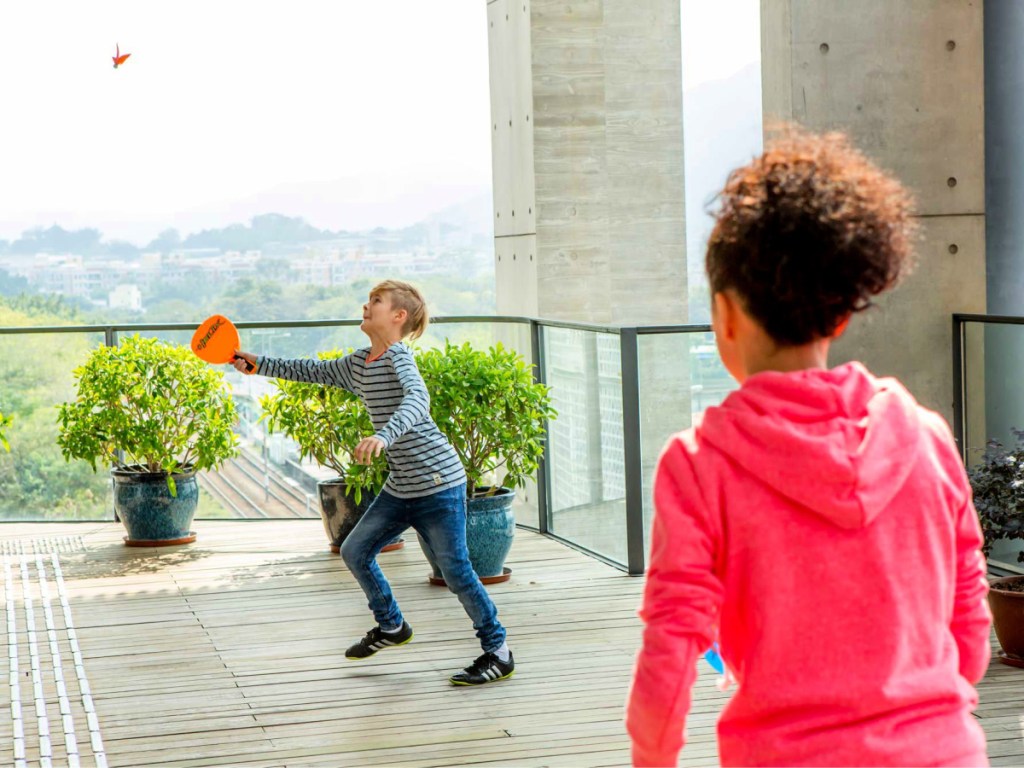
(426, 488)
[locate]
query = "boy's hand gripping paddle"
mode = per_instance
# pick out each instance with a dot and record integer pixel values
(216, 340)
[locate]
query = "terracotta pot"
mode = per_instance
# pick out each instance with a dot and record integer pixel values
(1008, 618)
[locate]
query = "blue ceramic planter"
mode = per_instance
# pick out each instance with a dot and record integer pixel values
(490, 528)
(151, 515)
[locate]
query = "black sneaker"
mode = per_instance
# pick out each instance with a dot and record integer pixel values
(487, 669)
(376, 639)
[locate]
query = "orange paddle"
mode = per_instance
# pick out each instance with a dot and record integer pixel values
(216, 340)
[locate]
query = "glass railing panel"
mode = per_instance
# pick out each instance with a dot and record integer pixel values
(681, 375)
(993, 398)
(585, 452)
(267, 480)
(993, 360)
(482, 335)
(270, 478)
(36, 483)
(255, 484)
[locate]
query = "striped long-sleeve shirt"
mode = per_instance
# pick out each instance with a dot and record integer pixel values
(421, 460)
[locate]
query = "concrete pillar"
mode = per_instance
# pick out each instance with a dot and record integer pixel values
(903, 78)
(1004, 222)
(587, 130)
(589, 215)
(1004, 139)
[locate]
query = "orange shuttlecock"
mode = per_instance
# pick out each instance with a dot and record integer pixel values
(118, 58)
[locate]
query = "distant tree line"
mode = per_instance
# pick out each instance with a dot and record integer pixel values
(262, 232)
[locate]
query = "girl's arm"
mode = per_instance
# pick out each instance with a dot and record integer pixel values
(680, 608)
(334, 373)
(971, 621)
(971, 617)
(415, 405)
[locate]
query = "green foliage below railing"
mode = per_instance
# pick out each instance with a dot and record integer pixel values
(490, 408)
(5, 422)
(35, 371)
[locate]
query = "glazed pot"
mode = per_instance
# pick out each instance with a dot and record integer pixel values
(490, 529)
(153, 516)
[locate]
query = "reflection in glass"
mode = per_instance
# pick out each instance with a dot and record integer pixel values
(586, 441)
(681, 376)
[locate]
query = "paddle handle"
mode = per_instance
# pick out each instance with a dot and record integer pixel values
(249, 367)
(711, 657)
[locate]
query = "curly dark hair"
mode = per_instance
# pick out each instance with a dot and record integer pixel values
(808, 233)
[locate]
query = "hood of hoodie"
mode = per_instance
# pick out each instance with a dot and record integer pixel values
(839, 442)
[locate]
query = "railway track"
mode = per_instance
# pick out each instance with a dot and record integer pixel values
(250, 489)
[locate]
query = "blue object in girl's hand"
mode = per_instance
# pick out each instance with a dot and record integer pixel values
(711, 657)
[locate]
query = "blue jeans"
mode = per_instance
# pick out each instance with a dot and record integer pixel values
(440, 521)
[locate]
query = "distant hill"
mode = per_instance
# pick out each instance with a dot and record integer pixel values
(722, 130)
(351, 205)
(471, 215)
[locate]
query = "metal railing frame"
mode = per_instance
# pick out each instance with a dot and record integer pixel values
(959, 346)
(631, 387)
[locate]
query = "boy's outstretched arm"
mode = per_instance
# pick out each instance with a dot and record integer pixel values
(334, 373)
(681, 604)
(415, 405)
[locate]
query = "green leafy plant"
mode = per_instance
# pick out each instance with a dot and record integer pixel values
(5, 422)
(147, 406)
(998, 485)
(326, 423)
(490, 409)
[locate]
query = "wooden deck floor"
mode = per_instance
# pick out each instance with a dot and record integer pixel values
(229, 652)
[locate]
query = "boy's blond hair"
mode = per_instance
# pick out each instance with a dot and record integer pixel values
(405, 296)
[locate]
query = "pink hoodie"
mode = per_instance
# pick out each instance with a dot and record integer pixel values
(820, 525)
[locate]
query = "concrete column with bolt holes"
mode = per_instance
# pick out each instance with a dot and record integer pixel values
(589, 211)
(587, 147)
(1004, 223)
(904, 79)
(1004, 140)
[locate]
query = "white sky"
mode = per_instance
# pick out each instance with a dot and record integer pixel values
(719, 38)
(224, 100)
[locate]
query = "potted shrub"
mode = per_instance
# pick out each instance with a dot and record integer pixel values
(156, 414)
(495, 415)
(998, 485)
(327, 423)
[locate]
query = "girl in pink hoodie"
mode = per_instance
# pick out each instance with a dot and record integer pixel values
(818, 524)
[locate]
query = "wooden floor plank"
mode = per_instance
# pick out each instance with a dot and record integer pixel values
(230, 652)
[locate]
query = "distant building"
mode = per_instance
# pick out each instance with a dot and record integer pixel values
(126, 296)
